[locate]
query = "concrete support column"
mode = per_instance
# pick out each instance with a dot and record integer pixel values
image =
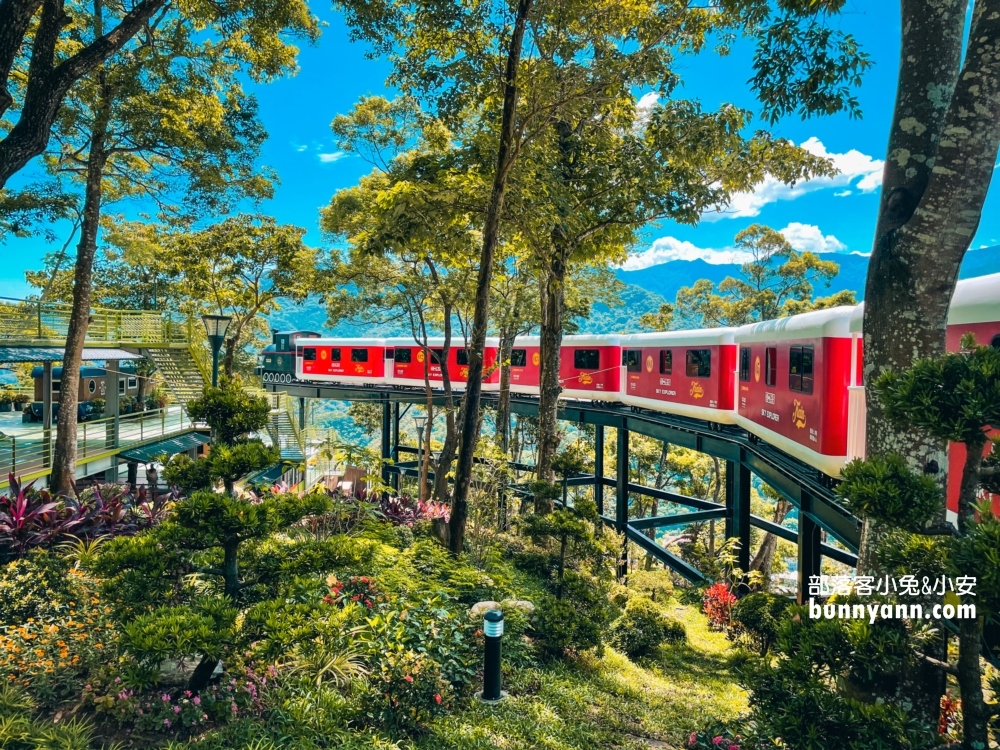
(47, 414)
(112, 413)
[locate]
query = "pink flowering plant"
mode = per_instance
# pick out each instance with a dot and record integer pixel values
(180, 713)
(715, 739)
(408, 690)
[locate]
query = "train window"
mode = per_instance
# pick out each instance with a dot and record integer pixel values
(462, 356)
(745, 364)
(404, 356)
(309, 354)
(390, 353)
(995, 343)
(436, 356)
(335, 354)
(770, 366)
(359, 355)
(632, 359)
(281, 343)
(666, 361)
(699, 363)
(587, 359)
(518, 357)
(800, 369)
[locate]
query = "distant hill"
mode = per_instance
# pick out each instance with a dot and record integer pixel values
(645, 291)
(667, 278)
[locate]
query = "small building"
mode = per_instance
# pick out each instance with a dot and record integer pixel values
(93, 382)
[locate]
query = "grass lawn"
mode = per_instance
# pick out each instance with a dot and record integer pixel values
(604, 701)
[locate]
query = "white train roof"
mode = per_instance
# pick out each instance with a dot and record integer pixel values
(707, 336)
(457, 342)
(339, 342)
(583, 339)
(834, 322)
(974, 301)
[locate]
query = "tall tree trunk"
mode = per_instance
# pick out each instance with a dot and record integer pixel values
(64, 454)
(940, 160)
(481, 315)
(764, 559)
(553, 294)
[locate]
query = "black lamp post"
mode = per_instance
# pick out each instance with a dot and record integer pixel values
(216, 327)
(420, 421)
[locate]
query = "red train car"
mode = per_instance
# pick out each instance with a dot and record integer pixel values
(406, 362)
(589, 366)
(793, 377)
(690, 373)
(341, 360)
(975, 309)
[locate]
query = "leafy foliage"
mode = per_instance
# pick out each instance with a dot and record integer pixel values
(643, 628)
(756, 619)
(886, 489)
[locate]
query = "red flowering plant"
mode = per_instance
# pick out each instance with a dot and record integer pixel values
(717, 604)
(720, 738)
(360, 589)
(408, 691)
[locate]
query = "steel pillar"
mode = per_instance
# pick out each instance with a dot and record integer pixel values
(738, 510)
(809, 553)
(621, 497)
(599, 468)
(46, 414)
(387, 430)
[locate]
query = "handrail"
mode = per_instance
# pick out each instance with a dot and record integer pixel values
(32, 454)
(28, 322)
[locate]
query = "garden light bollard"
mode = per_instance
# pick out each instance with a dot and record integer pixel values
(493, 630)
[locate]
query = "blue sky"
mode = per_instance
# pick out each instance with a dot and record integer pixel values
(831, 215)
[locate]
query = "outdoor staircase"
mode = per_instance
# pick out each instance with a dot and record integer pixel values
(180, 372)
(284, 429)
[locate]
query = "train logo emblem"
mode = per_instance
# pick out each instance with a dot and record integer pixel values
(322, 354)
(798, 414)
(420, 356)
(585, 378)
(696, 390)
(279, 361)
(756, 370)
(360, 369)
(536, 359)
(464, 372)
(649, 363)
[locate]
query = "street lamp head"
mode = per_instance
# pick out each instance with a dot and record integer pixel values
(493, 623)
(420, 421)
(216, 325)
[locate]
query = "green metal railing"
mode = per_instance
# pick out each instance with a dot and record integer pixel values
(30, 455)
(32, 322)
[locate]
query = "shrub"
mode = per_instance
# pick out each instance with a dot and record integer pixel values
(656, 584)
(38, 586)
(643, 628)
(717, 604)
(755, 620)
(561, 626)
(408, 690)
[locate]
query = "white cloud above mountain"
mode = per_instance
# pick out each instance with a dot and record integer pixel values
(857, 172)
(808, 238)
(803, 237)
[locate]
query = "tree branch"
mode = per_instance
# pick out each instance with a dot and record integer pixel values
(942, 665)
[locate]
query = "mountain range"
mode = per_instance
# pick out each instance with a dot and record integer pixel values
(645, 290)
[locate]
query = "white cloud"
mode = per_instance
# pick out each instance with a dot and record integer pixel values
(332, 157)
(843, 193)
(644, 106)
(666, 249)
(300, 149)
(809, 238)
(856, 170)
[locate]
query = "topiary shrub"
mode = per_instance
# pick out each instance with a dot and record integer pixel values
(755, 620)
(643, 627)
